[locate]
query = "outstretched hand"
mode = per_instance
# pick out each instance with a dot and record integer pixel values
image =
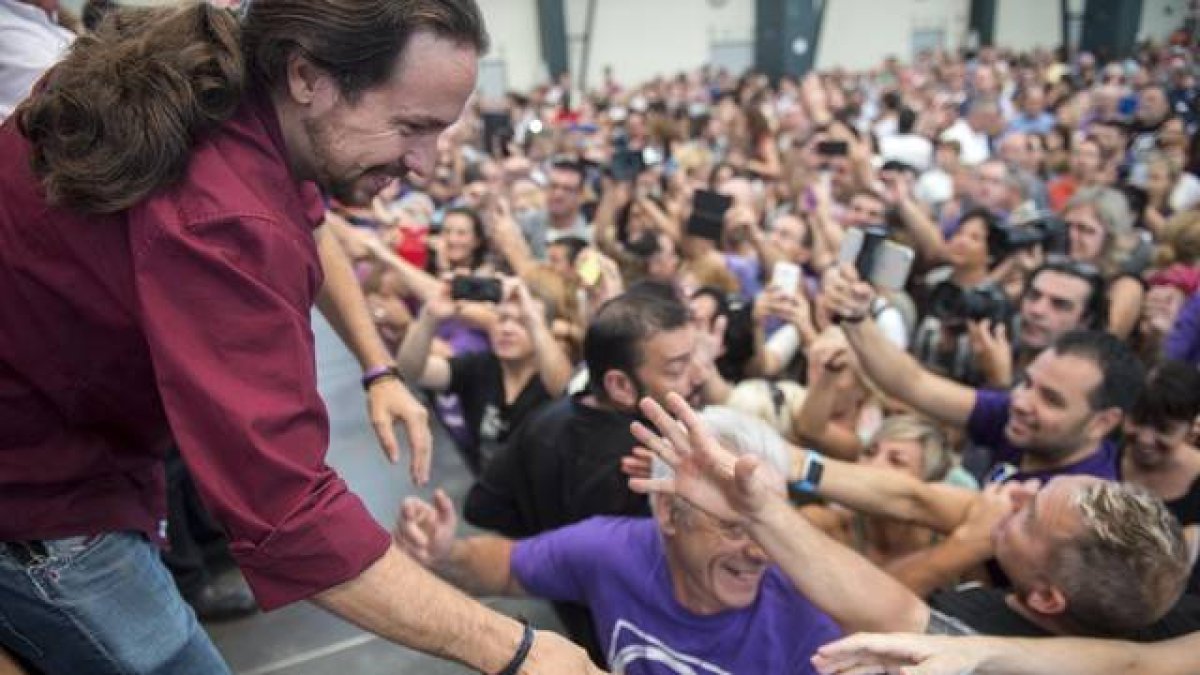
(426, 531)
(899, 654)
(706, 474)
(390, 402)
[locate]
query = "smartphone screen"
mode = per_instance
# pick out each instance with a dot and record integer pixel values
(786, 277)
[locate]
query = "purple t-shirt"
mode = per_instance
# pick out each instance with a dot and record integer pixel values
(617, 567)
(986, 427)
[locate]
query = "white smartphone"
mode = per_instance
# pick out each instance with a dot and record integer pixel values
(890, 263)
(786, 276)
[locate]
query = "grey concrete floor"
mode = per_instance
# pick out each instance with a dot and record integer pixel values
(302, 639)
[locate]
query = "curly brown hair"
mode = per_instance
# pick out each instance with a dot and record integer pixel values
(117, 118)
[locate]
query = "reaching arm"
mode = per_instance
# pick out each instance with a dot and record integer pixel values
(341, 302)
(554, 368)
(478, 565)
(413, 359)
(938, 655)
(880, 492)
(398, 600)
(893, 370)
(858, 595)
(812, 420)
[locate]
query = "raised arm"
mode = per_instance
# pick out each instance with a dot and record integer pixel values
(843, 584)
(477, 565)
(893, 370)
(939, 655)
(413, 359)
(553, 366)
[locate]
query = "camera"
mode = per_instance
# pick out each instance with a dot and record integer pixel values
(954, 306)
(1045, 229)
(478, 289)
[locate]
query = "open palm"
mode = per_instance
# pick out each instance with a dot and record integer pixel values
(705, 473)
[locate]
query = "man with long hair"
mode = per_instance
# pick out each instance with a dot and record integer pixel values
(159, 213)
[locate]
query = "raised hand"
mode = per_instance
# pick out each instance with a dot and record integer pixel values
(707, 475)
(846, 295)
(426, 531)
(992, 351)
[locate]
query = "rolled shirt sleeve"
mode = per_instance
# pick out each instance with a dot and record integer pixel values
(225, 305)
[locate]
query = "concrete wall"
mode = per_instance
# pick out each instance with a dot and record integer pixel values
(1160, 18)
(641, 39)
(513, 27)
(859, 34)
(1026, 24)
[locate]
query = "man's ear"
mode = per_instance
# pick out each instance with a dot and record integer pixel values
(620, 389)
(665, 513)
(1046, 600)
(309, 85)
(1105, 422)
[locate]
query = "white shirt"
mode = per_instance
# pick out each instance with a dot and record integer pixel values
(974, 145)
(30, 42)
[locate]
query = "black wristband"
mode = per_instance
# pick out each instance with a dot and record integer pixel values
(840, 319)
(378, 374)
(518, 659)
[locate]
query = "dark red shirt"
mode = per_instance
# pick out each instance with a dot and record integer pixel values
(186, 316)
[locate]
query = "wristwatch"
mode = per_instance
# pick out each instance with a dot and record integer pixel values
(810, 475)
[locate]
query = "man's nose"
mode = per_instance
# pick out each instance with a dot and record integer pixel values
(754, 552)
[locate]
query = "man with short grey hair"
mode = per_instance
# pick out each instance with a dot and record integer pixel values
(683, 592)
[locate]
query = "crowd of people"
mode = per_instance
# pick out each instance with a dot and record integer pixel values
(739, 366)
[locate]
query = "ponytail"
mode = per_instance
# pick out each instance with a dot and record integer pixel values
(116, 119)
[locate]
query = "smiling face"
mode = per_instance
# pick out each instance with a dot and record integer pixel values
(458, 240)
(355, 148)
(1051, 415)
(714, 566)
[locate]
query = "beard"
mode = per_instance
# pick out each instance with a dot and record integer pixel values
(342, 183)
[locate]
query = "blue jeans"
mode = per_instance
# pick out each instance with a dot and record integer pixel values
(99, 605)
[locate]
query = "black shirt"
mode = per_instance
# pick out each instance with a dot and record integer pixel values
(985, 611)
(1187, 510)
(561, 466)
(478, 382)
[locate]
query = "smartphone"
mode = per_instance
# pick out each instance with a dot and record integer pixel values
(587, 266)
(878, 260)
(478, 289)
(833, 148)
(708, 214)
(786, 277)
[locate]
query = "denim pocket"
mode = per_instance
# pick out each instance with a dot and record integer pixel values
(62, 553)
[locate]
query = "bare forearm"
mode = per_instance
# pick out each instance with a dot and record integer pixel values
(414, 351)
(936, 567)
(402, 602)
(812, 424)
(1075, 656)
(843, 584)
(926, 235)
(552, 363)
(879, 492)
(341, 302)
(481, 566)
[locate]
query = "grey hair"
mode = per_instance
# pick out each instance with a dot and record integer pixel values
(1129, 564)
(741, 434)
(1113, 212)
